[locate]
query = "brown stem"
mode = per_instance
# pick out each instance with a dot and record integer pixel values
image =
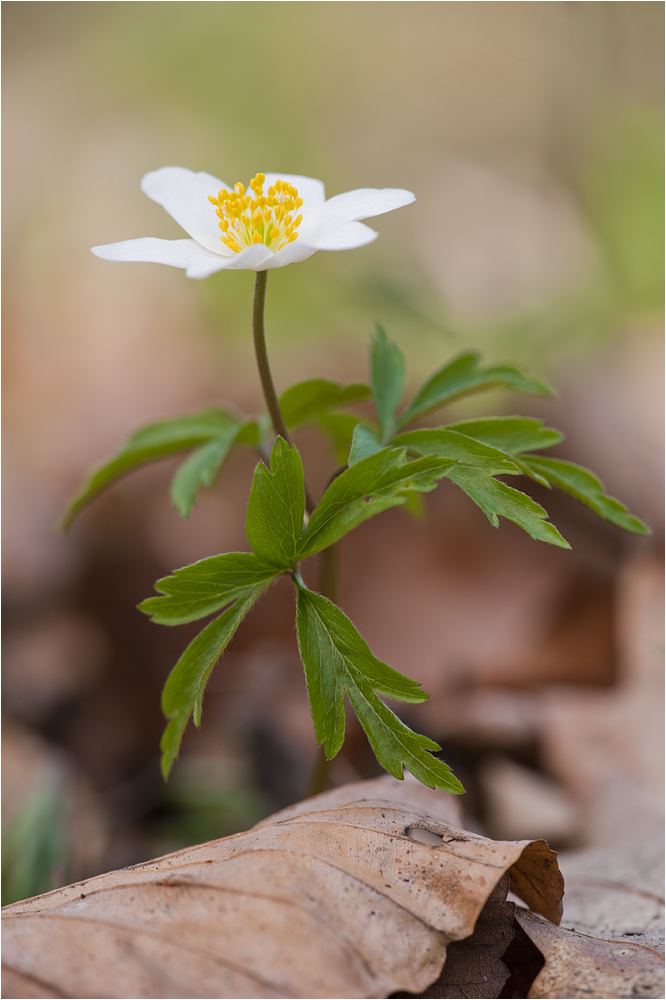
(319, 777)
(261, 355)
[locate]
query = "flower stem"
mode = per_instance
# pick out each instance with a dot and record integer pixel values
(261, 355)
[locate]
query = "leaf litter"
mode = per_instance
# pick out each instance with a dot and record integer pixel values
(329, 898)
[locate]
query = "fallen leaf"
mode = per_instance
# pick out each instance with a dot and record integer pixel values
(580, 966)
(335, 897)
(473, 967)
(606, 746)
(617, 892)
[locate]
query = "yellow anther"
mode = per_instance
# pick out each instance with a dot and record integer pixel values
(255, 217)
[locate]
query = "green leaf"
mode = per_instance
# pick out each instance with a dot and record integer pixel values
(496, 498)
(151, 442)
(183, 691)
(303, 401)
(388, 378)
(459, 448)
(372, 485)
(364, 443)
(207, 586)
(276, 506)
(584, 486)
(466, 374)
(415, 506)
(512, 435)
(249, 433)
(200, 469)
(339, 428)
(337, 659)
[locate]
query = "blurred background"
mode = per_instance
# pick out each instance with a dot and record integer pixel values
(532, 136)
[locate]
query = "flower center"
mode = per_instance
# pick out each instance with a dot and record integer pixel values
(257, 217)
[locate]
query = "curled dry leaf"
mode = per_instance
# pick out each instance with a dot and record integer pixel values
(331, 898)
(474, 966)
(580, 966)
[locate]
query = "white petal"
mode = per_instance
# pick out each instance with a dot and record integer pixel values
(184, 195)
(254, 258)
(354, 234)
(310, 190)
(176, 253)
(292, 253)
(350, 207)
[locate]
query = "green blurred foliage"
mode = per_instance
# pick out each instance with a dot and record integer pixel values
(35, 851)
(206, 798)
(624, 196)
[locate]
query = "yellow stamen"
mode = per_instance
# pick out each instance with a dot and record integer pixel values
(246, 219)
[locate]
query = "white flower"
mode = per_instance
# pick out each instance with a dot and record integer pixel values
(254, 230)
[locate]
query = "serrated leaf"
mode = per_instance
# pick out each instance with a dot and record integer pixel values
(527, 470)
(339, 429)
(302, 402)
(460, 448)
(512, 435)
(388, 378)
(465, 374)
(276, 506)
(365, 489)
(582, 484)
(153, 441)
(396, 745)
(337, 659)
(183, 691)
(200, 469)
(496, 499)
(207, 586)
(364, 443)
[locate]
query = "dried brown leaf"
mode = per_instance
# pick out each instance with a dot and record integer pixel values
(617, 892)
(535, 876)
(581, 966)
(331, 898)
(473, 967)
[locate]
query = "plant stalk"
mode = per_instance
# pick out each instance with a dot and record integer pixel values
(261, 355)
